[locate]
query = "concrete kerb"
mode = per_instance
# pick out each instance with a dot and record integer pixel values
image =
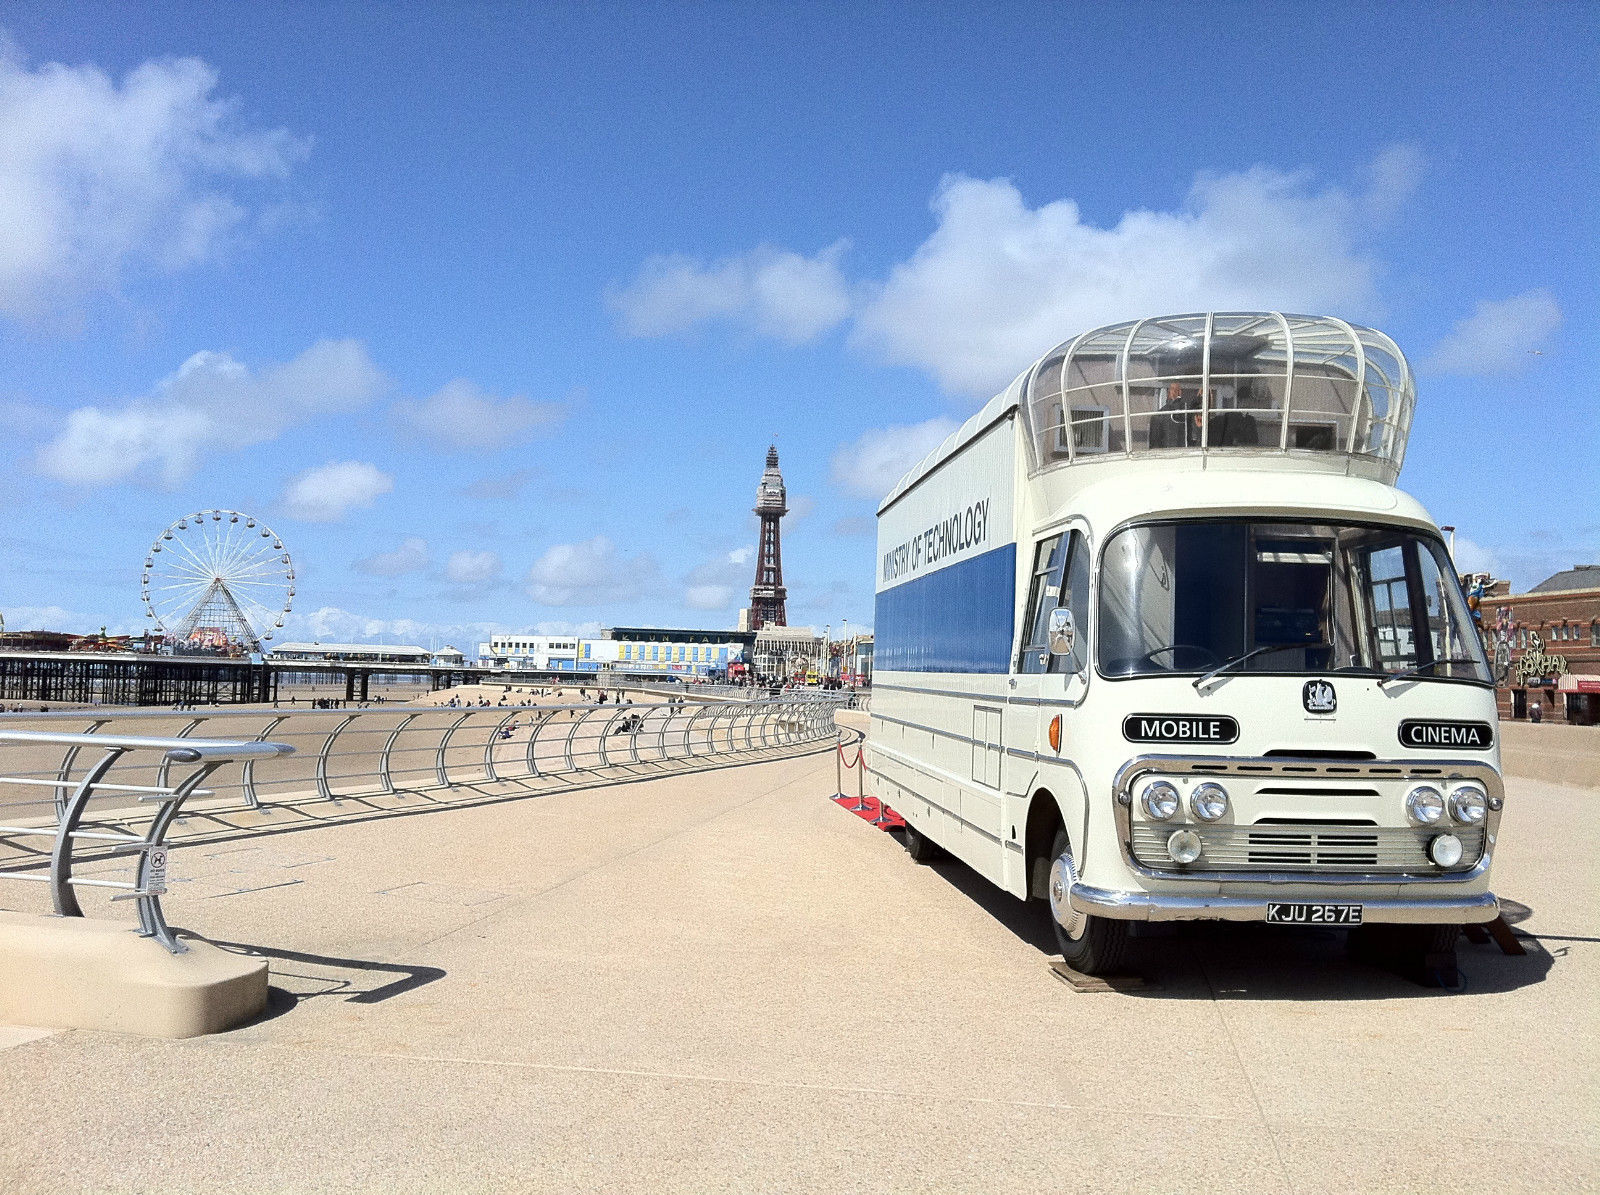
(77, 973)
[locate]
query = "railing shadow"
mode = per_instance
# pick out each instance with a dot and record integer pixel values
(319, 976)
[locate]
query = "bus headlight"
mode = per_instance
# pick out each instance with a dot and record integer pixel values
(1469, 804)
(1425, 805)
(1209, 801)
(1444, 850)
(1160, 800)
(1184, 846)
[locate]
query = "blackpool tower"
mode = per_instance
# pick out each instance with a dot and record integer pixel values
(767, 594)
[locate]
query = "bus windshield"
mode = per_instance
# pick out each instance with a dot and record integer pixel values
(1295, 597)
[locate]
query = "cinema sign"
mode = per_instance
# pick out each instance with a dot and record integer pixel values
(1430, 732)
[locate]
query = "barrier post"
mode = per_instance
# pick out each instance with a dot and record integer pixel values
(838, 769)
(861, 794)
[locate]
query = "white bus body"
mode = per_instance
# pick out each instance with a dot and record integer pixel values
(1168, 560)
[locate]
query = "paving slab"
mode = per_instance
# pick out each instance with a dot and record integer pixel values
(723, 981)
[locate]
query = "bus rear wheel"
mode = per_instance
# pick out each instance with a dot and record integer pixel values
(1089, 945)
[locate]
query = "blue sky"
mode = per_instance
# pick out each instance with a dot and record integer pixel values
(526, 292)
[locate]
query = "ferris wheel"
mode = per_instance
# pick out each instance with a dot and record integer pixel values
(217, 580)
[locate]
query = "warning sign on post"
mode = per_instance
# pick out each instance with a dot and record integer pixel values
(155, 871)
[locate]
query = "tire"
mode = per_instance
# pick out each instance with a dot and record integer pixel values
(1409, 948)
(920, 847)
(1089, 945)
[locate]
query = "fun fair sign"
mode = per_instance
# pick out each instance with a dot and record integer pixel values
(1536, 663)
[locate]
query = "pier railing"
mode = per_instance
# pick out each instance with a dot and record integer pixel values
(53, 766)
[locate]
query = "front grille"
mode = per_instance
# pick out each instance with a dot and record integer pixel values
(1322, 847)
(1319, 791)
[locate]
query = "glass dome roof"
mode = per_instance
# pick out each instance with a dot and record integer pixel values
(1233, 382)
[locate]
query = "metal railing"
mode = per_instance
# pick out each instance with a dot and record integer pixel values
(113, 840)
(53, 765)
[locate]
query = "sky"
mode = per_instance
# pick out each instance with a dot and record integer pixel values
(490, 312)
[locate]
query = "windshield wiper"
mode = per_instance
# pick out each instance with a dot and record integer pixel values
(1252, 654)
(1394, 676)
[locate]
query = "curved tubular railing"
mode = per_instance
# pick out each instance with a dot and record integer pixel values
(384, 774)
(150, 875)
(441, 761)
(374, 751)
(489, 769)
(247, 771)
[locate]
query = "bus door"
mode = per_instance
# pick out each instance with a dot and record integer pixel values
(1054, 665)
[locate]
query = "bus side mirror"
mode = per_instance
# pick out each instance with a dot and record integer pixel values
(1063, 632)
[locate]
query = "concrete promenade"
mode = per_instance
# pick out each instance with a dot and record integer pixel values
(723, 982)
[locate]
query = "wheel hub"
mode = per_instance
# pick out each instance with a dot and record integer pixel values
(1062, 876)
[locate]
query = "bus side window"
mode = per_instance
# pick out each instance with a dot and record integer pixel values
(1075, 597)
(1043, 596)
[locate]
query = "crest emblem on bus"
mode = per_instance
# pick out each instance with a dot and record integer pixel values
(1319, 697)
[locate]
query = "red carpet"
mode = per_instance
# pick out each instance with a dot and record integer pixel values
(895, 821)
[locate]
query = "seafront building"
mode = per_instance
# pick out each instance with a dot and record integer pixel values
(1548, 644)
(782, 653)
(365, 653)
(668, 651)
(662, 651)
(538, 653)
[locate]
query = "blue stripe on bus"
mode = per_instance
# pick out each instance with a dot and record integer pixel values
(958, 619)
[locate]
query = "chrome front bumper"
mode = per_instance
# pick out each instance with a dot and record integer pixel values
(1149, 906)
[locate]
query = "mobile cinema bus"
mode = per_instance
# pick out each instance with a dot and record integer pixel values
(1159, 639)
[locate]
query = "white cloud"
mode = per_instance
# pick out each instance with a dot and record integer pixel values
(708, 597)
(97, 176)
(58, 618)
(590, 573)
(468, 567)
(331, 624)
(560, 627)
(328, 493)
(720, 583)
(998, 283)
(1499, 336)
(501, 487)
(1471, 557)
(22, 418)
(1395, 175)
(212, 404)
(776, 291)
(410, 557)
(870, 466)
(463, 416)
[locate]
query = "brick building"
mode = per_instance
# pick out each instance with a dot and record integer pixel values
(1552, 637)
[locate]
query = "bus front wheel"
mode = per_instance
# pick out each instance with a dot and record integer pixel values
(1089, 945)
(920, 847)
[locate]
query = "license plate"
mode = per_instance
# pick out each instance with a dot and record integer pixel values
(1283, 914)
